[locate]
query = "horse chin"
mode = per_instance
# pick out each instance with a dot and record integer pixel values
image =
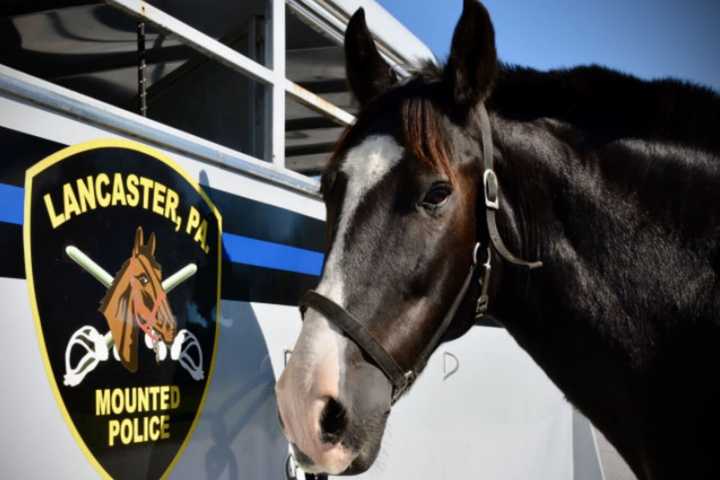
(362, 462)
(366, 450)
(362, 444)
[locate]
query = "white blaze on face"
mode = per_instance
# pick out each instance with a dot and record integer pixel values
(365, 166)
(316, 366)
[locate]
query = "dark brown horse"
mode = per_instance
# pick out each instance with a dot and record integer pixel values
(136, 301)
(612, 182)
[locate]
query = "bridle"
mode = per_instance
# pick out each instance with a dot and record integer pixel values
(400, 378)
(150, 316)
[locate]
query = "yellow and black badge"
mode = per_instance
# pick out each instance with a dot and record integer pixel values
(123, 258)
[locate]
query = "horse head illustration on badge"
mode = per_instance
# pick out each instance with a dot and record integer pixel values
(136, 300)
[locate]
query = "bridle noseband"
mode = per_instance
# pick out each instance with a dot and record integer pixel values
(400, 378)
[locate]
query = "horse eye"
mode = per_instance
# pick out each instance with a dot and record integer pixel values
(144, 279)
(437, 195)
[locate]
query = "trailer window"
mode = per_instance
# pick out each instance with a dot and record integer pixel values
(94, 49)
(214, 102)
(244, 25)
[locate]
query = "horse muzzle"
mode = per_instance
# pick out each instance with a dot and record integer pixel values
(332, 403)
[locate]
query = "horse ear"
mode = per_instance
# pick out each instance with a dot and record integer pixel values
(367, 73)
(138, 241)
(472, 65)
(151, 244)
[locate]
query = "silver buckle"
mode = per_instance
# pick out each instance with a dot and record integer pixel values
(476, 249)
(489, 176)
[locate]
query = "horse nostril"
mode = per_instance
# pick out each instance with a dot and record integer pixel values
(333, 422)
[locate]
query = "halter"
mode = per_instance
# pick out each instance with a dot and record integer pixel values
(400, 378)
(150, 316)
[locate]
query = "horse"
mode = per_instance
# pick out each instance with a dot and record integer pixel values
(136, 301)
(579, 208)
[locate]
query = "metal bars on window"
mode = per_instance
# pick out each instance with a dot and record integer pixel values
(274, 78)
(321, 14)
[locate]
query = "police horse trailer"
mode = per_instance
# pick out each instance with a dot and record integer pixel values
(161, 220)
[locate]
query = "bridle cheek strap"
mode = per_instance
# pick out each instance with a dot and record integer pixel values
(400, 378)
(357, 332)
(491, 190)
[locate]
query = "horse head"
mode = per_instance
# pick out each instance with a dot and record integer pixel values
(401, 193)
(136, 301)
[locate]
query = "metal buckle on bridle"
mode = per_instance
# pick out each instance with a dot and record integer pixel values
(476, 248)
(490, 184)
(481, 306)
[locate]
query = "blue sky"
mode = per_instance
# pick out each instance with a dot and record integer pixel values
(648, 38)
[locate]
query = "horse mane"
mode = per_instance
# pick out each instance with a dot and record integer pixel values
(605, 103)
(113, 294)
(118, 311)
(612, 104)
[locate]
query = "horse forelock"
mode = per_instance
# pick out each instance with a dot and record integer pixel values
(146, 252)
(415, 109)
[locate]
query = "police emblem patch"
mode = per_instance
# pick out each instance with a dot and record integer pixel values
(123, 258)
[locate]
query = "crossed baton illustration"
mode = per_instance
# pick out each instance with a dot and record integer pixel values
(97, 346)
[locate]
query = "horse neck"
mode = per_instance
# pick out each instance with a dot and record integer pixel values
(628, 265)
(565, 314)
(615, 221)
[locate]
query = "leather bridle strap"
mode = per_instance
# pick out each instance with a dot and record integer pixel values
(357, 332)
(491, 189)
(399, 378)
(447, 320)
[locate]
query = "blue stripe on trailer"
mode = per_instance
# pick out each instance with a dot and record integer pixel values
(260, 253)
(11, 204)
(239, 249)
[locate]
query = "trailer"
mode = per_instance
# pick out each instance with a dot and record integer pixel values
(160, 219)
